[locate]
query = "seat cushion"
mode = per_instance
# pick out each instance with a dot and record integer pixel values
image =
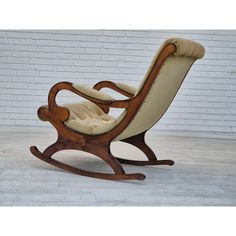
(86, 117)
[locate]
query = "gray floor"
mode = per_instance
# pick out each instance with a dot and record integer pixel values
(204, 174)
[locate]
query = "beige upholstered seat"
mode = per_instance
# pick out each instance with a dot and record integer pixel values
(88, 118)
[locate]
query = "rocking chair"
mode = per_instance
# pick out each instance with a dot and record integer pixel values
(87, 126)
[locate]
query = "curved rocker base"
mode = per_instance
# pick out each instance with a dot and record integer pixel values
(145, 163)
(139, 142)
(34, 150)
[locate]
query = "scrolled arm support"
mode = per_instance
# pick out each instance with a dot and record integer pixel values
(63, 113)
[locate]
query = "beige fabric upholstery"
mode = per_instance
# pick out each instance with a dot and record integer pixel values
(92, 92)
(160, 96)
(165, 86)
(86, 117)
(185, 48)
(127, 88)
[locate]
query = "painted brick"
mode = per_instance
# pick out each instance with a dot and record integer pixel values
(32, 61)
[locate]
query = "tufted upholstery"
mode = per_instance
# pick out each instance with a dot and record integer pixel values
(86, 117)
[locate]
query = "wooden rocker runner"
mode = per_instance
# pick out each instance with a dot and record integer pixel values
(87, 126)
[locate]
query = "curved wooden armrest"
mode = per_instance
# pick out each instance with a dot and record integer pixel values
(70, 87)
(124, 89)
(90, 94)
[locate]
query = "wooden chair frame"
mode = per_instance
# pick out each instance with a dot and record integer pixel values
(99, 145)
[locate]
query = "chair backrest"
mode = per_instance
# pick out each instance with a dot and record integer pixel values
(165, 85)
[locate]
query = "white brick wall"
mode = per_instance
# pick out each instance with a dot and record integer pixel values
(32, 61)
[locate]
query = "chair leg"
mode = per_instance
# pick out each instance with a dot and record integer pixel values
(139, 142)
(101, 151)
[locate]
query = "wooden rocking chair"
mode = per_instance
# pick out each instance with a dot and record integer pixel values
(87, 126)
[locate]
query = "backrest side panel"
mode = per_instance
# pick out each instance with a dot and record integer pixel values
(161, 94)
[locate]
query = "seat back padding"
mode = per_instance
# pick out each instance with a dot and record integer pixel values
(164, 87)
